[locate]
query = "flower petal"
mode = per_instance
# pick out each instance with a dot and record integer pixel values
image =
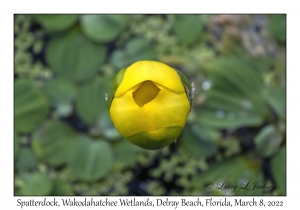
(150, 70)
(145, 93)
(168, 108)
(128, 117)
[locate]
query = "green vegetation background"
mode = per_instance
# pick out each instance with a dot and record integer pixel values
(66, 144)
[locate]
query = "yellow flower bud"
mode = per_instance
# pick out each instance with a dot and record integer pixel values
(149, 102)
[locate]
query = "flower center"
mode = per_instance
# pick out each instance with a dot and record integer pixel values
(145, 93)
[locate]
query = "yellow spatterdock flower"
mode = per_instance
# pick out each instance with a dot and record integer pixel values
(149, 102)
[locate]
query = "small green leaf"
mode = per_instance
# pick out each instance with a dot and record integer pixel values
(188, 28)
(113, 88)
(62, 188)
(234, 171)
(268, 140)
(187, 85)
(103, 28)
(56, 22)
(37, 184)
(126, 152)
(277, 101)
(120, 59)
(60, 91)
(90, 160)
(73, 57)
(135, 50)
(140, 49)
(279, 170)
(198, 147)
(52, 142)
(16, 146)
(90, 102)
(207, 134)
(30, 107)
(26, 161)
(277, 27)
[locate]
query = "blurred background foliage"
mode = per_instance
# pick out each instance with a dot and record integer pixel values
(66, 144)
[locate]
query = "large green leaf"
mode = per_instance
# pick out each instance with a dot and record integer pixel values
(279, 170)
(30, 106)
(37, 184)
(103, 28)
(56, 22)
(236, 74)
(53, 141)
(73, 57)
(236, 97)
(235, 171)
(90, 102)
(188, 28)
(219, 119)
(268, 140)
(90, 160)
(198, 146)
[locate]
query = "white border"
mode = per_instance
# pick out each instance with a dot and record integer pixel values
(8, 8)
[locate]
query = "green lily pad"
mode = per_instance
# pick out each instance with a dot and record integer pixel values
(90, 160)
(56, 22)
(37, 184)
(120, 59)
(135, 50)
(278, 165)
(31, 106)
(103, 28)
(90, 102)
(107, 128)
(26, 161)
(53, 141)
(140, 49)
(74, 57)
(188, 28)
(60, 91)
